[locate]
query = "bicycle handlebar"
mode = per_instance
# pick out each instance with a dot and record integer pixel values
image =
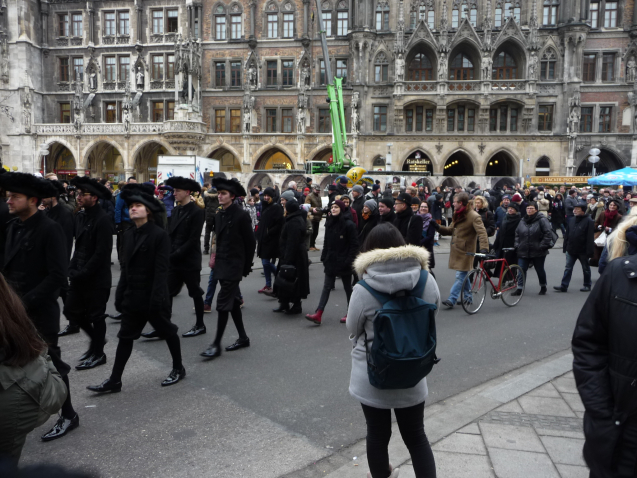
(478, 254)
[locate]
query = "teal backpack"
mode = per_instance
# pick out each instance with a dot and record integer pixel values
(403, 351)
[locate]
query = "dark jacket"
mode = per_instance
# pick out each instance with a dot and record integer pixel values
(109, 209)
(409, 225)
(533, 237)
(5, 217)
(340, 246)
(427, 240)
(211, 201)
(269, 230)
(436, 208)
(500, 213)
(293, 252)
(569, 204)
(365, 226)
(64, 218)
(184, 230)
(558, 213)
(487, 220)
(35, 265)
(389, 217)
(143, 283)
(506, 234)
(340, 189)
(357, 205)
(580, 236)
(605, 363)
(235, 243)
(91, 263)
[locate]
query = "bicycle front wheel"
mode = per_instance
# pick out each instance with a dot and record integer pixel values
(474, 291)
(510, 291)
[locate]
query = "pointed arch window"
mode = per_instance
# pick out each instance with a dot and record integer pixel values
(420, 68)
(548, 65)
(382, 16)
(504, 67)
(381, 68)
(461, 68)
(422, 11)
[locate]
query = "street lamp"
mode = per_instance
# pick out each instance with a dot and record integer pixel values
(44, 150)
(593, 157)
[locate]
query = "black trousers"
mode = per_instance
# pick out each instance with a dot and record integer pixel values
(86, 307)
(412, 430)
(192, 280)
(328, 285)
(206, 238)
(624, 460)
(315, 231)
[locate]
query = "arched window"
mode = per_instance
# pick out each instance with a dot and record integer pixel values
(543, 167)
(420, 68)
(236, 27)
(272, 20)
(548, 65)
(382, 16)
(462, 9)
(461, 68)
(381, 68)
(220, 22)
(327, 18)
(504, 67)
(512, 8)
(455, 14)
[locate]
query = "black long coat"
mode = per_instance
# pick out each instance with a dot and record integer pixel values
(5, 217)
(409, 225)
(340, 246)
(269, 230)
(427, 241)
(186, 223)
(487, 220)
(65, 219)
(579, 236)
(91, 263)
(293, 252)
(505, 238)
(35, 265)
(605, 363)
(366, 225)
(143, 284)
(235, 243)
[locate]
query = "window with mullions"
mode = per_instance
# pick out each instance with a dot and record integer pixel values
(461, 68)
(610, 15)
(158, 21)
(604, 119)
(381, 68)
(455, 15)
(451, 119)
(608, 67)
(342, 23)
(460, 118)
(110, 112)
(273, 26)
(235, 121)
(504, 67)
(124, 68)
(65, 112)
(63, 25)
(109, 68)
(498, 16)
(493, 119)
(550, 12)
(170, 110)
(235, 74)
(64, 69)
(287, 70)
(157, 70)
(327, 23)
(170, 66)
(220, 74)
(586, 123)
(503, 118)
(158, 111)
(380, 119)
(287, 120)
(123, 23)
(420, 68)
(409, 124)
(341, 70)
(76, 19)
(220, 121)
(545, 118)
(513, 124)
(78, 69)
(429, 120)
(235, 31)
(172, 21)
(288, 25)
(594, 8)
(270, 125)
(382, 16)
(588, 66)
(325, 121)
(471, 119)
(109, 23)
(271, 73)
(322, 73)
(547, 65)
(220, 27)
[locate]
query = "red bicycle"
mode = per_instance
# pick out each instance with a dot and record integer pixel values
(509, 288)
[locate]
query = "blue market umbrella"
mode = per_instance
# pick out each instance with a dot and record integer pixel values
(624, 177)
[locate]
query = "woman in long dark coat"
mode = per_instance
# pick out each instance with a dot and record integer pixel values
(558, 214)
(293, 252)
(428, 232)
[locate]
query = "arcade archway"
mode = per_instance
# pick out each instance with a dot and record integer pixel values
(105, 161)
(146, 162)
(418, 162)
(261, 179)
(608, 161)
(327, 181)
(450, 183)
(274, 159)
(298, 179)
(458, 164)
(228, 162)
(500, 164)
(543, 167)
(60, 161)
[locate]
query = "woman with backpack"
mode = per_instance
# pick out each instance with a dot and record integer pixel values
(388, 266)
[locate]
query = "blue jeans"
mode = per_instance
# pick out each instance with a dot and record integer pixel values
(212, 287)
(538, 263)
(268, 269)
(568, 270)
(454, 294)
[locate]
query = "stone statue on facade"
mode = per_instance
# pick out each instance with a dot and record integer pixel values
(247, 122)
(442, 69)
(4, 59)
(631, 70)
(573, 121)
(126, 119)
(354, 121)
(487, 66)
(92, 81)
(300, 121)
(533, 66)
(252, 77)
(355, 100)
(139, 78)
(400, 68)
(26, 111)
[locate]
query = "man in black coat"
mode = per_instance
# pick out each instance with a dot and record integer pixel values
(341, 187)
(268, 234)
(142, 290)
(604, 358)
(386, 211)
(35, 265)
(90, 269)
(579, 246)
(408, 223)
(235, 252)
(358, 200)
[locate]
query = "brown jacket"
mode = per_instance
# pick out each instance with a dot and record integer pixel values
(314, 200)
(464, 236)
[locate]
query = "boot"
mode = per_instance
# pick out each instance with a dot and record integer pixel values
(295, 309)
(543, 290)
(315, 317)
(283, 307)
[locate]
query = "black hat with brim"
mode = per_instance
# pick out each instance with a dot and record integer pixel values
(137, 195)
(135, 188)
(92, 186)
(185, 184)
(59, 187)
(581, 204)
(233, 187)
(27, 184)
(404, 197)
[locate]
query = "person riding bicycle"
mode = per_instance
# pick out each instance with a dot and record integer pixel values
(466, 229)
(533, 239)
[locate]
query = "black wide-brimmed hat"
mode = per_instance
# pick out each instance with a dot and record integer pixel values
(233, 187)
(186, 184)
(147, 188)
(133, 195)
(27, 184)
(59, 187)
(92, 186)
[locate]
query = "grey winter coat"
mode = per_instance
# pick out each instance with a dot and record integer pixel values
(388, 271)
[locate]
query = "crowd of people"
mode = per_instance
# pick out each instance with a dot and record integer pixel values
(56, 241)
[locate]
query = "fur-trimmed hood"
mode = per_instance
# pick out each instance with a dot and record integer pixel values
(211, 193)
(366, 259)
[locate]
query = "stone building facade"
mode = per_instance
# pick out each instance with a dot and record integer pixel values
(436, 91)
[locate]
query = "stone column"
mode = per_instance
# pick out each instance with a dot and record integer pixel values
(45, 24)
(91, 22)
(253, 13)
(584, 5)
(634, 15)
(306, 18)
(200, 21)
(139, 23)
(191, 22)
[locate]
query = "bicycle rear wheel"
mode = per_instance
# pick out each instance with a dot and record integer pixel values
(510, 284)
(475, 281)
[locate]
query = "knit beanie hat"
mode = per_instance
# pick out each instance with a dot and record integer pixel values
(387, 202)
(375, 187)
(371, 205)
(516, 197)
(340, 204)
(358, 189)
(269, 192)
(292, 206)
(288, 195)
(254, 192)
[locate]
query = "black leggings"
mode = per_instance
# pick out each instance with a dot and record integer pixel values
(328, 285)
(412, 430)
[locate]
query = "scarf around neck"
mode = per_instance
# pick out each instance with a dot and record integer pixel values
(609, 216)
(426, 219)
(459, 214)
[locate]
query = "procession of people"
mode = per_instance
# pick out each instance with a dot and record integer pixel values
(56, 242)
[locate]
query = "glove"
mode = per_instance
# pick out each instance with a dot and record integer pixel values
(484, 251)
(436, 225)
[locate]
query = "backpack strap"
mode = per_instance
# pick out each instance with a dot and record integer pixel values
(379, 296)
(419, 289)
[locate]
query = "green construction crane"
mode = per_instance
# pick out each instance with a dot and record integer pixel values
(339, 164)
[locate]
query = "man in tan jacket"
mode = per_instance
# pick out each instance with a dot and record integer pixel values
(314, 200)
(465, 230)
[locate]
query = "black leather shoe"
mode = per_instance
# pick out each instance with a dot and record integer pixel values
(294, 310)
(585, 289)
(117, 316)
(196, 330)
(61, 428)
(281, 308)
(153, 334)
(559, 288)
(69, 330)
(92, 362)
(106, 386)
(239, 344)
(86, 355)
(175, 376)
(213, 351)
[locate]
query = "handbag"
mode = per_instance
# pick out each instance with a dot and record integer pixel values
(285, 281)
(601, 240)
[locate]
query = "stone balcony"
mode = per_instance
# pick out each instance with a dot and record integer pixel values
(470, 87)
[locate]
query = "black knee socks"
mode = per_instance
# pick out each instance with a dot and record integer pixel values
(124, 350)
(237, 317)
(222, 321)
(199, 310)
(99, 329)
(174, 347)
(67, 408)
